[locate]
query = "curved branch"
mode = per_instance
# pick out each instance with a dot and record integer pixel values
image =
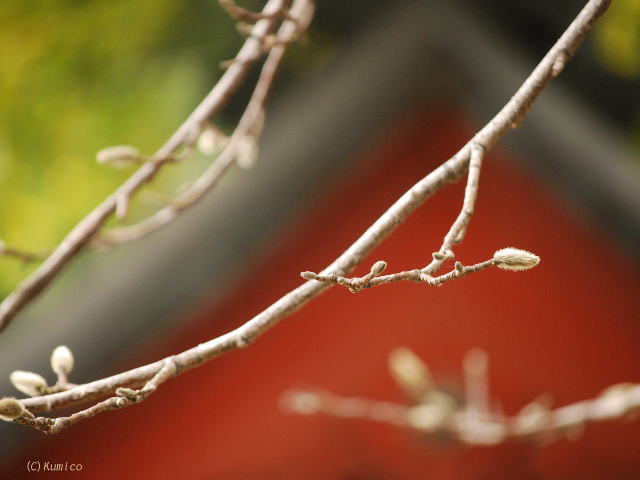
(474, 421)
(86, 229)
(300, 16)
(448, 172)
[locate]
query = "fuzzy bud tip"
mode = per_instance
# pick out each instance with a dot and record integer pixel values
(439, 256)
(119, 156)
(62, 359)
(515, 259)
(28, 383)
(10, 409)
(308, 275)
(378, 267)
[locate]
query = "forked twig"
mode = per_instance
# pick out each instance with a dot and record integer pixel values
(244, 335)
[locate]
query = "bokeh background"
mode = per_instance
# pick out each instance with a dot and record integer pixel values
(380, 94)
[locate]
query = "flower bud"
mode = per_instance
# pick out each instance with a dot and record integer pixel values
(439, 256)
(303, 402)
(119, 156)
(309, 275)
(430, 417)
(532, 418)
(409, 372)
(515, 259)
(62, 359)
(211, 141)
(10, 409)
(378, 267)
(616, 399)
(247, 152)
(28, 383)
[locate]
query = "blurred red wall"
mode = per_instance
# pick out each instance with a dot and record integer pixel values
(570, 328)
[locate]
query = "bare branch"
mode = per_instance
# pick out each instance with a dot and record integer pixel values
(87, 228)
(22, 255)
(251, 117)
(455, 235)
(355, 284)
(439, 417)
(242, 336)
(239, 13)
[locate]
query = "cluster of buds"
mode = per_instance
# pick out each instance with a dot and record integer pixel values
(33, 384)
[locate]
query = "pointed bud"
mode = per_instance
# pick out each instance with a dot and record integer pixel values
(616, 399)
(532, 418)
(247, 152)
(410, 372)
(119, 156)
(430, 417)
(62, 359)
(439, 256)
(308, 275)
(211, 141)
(459, 267)
(303, 402)
(28, 383)
(378, 267)
(515, 259)
(127, 392)
(10, 409)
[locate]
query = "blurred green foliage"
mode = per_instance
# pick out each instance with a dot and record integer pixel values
(77, 76)
(617, 38)
(617, 45)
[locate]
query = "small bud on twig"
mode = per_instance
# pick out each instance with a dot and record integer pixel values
(439, 256)
(119, 156)
(409, 372)
(515, 259)
(378, 267)
(616, 399)
(303, 402)
(308, 275)
(432, 416)
(62, 359)
(211, 141)
(29, 383)
(10, 409)
(247, 152)
(532, 418)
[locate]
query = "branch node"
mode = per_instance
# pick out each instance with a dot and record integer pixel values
(559, 63)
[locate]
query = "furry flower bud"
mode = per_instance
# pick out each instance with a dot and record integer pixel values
(62, 359)
(409, 372)
(28, 383)
(119, 156)
(10, 409)
(515, 259)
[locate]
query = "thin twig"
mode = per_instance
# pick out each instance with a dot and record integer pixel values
(87, 228)
(455, 235)
(209, 179)
(355, 284)
(22, 255)
(439, 417)
(449, 171)
(240, 13)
